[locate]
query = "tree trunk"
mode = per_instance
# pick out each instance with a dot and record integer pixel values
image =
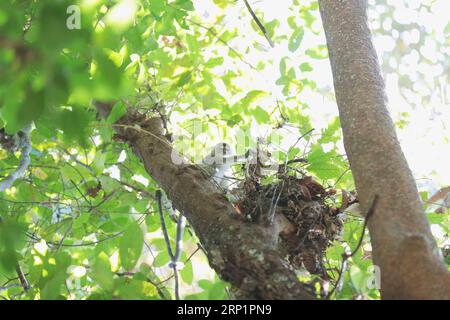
(403, 247)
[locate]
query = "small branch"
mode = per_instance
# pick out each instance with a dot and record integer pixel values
(180, 231)
(439, 195)
(340, 177)
(260, 25)
(24, 162)
(156, 285)
(6, 287)
(73, 245)
(179, 246)
(80, 192)
(303, 135)
(163, 224)
(211, 31)
(264, 278)
(366, 219)
(273, 205)
(22, 278)
(175, 257)
(133, 187)
(297, 160)
(160, 291)
(346, 256)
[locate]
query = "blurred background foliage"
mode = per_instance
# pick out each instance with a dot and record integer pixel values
(82, 223)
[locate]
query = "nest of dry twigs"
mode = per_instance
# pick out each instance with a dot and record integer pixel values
(301, 206)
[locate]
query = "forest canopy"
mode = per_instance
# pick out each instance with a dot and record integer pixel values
(115, 116)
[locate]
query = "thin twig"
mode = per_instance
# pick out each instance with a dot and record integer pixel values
(346, 256)
(210, 30)
(260, 25)
(81, 193)
(178, 249)
(83, 244)
(22, 278)
(340, 177)
(175, 257)
(180, 231)
(163, 224)
(3, 288)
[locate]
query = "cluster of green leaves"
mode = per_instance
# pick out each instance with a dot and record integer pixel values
(76, 231)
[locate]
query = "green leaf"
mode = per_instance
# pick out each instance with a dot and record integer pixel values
(69, 173)
(74, 123)
(12, 239)
(130, 246)
(359, 279)
(205, 284)
(217, 291)
(271, 26)
(436, 218)
(283, 66)
(447, 28)
(221, 3)
(306, 67)
(192, 43)
(332, 133)
(296, 39)
(142, 74)
(319, 52)
(185, 4)
(326, 165)
(291, 22)
(81, 220)
(117, 57)
(283, 80)
(133, 289)
(250, 97)
(101, 272)
(54, 275)
(214, 62)
(117, 112)
(152, 44)
(184, 78)
(157, 6)
(260, 115)
(161, 259)
(99, 163)
(187, 273)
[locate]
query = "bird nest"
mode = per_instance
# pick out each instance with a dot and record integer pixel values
(301, 206)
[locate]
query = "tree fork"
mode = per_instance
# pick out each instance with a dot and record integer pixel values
(242, 253)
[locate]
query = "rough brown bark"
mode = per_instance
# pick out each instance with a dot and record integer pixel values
(241, 252)
(403, 246)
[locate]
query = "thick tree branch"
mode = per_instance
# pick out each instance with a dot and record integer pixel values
(241, 252)
(403, 246)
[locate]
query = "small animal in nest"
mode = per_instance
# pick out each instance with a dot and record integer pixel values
(218, 164)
